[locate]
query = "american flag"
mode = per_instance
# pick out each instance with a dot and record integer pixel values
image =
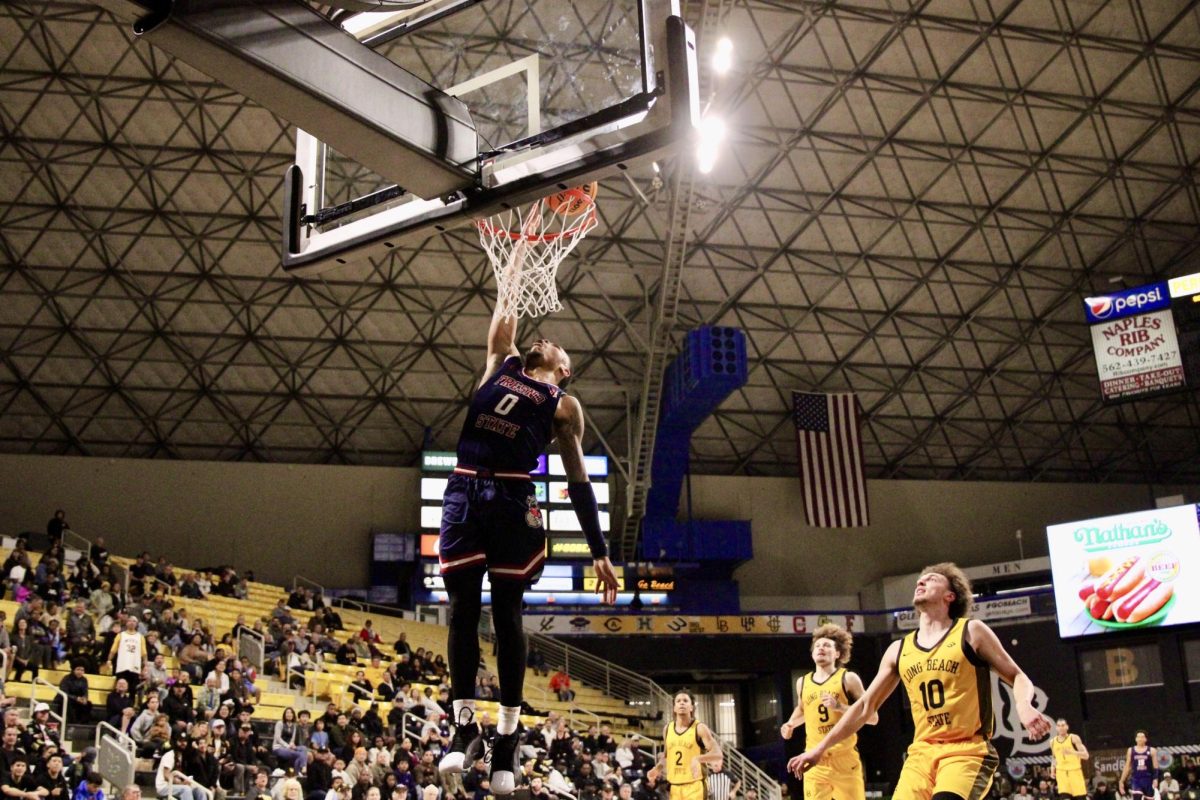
(831, 470)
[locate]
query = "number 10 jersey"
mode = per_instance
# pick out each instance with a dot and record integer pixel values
(949, 688)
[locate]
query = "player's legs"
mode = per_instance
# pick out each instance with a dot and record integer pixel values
(847, 779)
(463, 559)
(964, 771)
(818, 783)
(465, 590)
(916, 776)
(689, 791)
(1071, 783)
(516, 549)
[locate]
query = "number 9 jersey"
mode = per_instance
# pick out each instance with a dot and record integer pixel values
(949, 688)
(819, 719)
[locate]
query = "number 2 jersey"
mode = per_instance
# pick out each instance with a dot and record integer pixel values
(819, 718)
(510, 421)
(949, 688)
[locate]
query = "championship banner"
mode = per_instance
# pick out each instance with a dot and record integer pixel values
(1004, 608)
(1137, 355)
(658, 625)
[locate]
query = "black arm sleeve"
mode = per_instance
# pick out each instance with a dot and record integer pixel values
(583, 500)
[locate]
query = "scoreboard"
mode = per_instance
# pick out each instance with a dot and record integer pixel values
(1146, 340)
(562, 582)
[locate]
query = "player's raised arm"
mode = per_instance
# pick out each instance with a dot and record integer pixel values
(988, 647)
(568, 430)
(502, 342)
(859, 712)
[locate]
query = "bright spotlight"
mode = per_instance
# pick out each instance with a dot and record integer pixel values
(708, 147)
(723, 56)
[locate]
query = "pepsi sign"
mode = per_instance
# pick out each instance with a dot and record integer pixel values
(1131, 302)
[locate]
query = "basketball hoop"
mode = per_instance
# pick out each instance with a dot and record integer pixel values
(526, 245)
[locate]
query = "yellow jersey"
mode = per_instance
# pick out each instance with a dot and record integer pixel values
(1063, 752)
(681, 748)
(949, 688)
(819, 719)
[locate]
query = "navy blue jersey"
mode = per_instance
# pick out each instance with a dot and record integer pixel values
(510, 421)
(1142, 768)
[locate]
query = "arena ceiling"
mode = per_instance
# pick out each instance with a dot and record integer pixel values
(914, 198)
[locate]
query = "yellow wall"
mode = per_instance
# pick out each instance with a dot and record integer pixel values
(914, 523)
(277, 519)
(282, 519)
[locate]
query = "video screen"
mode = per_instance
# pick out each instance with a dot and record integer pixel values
(1126, 571)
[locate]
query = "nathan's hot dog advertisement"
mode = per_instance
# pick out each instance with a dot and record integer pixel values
(1127, 571)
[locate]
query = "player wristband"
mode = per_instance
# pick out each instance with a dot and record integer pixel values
(583, 500)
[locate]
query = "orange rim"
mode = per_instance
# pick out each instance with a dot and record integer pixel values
(573, 229)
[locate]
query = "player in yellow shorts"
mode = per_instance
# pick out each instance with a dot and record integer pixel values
(822, 696)
(689, 747)
(1067, 755)
(945, 667)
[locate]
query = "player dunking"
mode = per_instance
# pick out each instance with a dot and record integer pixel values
(944, 666)
(1067, 755)
(822, 696)
(491, 523)
(688, 747)
(1141, 768)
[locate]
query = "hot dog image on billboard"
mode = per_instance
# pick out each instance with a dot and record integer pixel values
(1126, 571)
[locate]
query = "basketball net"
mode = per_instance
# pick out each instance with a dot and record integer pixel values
(526, 246)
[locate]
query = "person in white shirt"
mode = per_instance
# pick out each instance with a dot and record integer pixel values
(166, 783)
(219, 674)
(129, 652)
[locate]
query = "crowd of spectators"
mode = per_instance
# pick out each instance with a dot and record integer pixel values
(194, 720)
(1038, 783)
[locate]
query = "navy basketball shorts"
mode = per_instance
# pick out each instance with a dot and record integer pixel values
(494, 523)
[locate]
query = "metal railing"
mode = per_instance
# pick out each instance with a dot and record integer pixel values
(170, 590)
(116, 755)
(638, 692)
(252, 646)
(190, 781)
(61, 697)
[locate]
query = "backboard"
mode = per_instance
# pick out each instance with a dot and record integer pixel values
(559, 93)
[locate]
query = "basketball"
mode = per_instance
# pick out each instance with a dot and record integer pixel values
(572, 202)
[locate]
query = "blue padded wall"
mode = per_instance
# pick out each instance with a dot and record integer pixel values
(710, 366)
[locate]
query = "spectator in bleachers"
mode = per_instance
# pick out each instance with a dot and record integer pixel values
(89, 788)
(75, 687)
(361, 687)
(52, 780)
(118, 700)
(101, 600)
(201, 766)
(426, 772)
(241, 760)
(27, 651)
(57, 524)
(178, 706)
(210, 698)
(190, 588)
(358, 767)
(193, 657)
(128, 653)
(99, 553)
(81, 632)
(19, 784)
(286, 744)
(40, 737)
(371, 723)
(346, 654)
(10, 751)
(484, 690)
(402, 646)
(560, 684)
